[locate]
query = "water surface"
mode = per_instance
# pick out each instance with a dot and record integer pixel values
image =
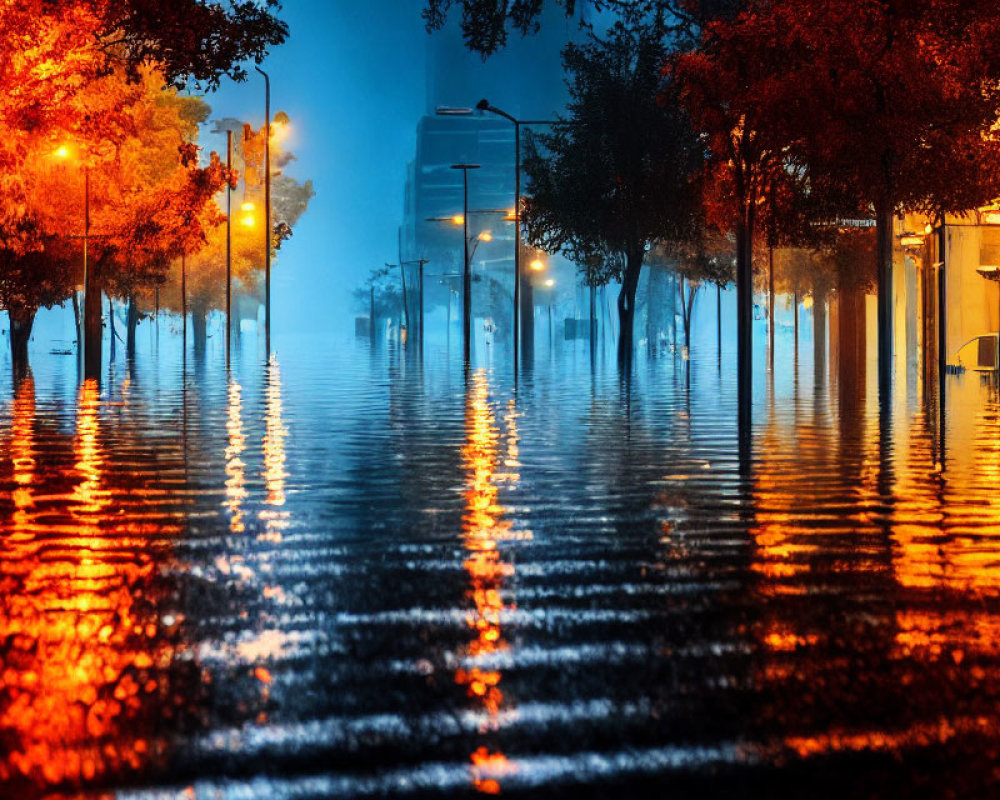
(358, 572)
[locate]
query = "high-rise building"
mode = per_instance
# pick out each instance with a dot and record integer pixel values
(526, 80)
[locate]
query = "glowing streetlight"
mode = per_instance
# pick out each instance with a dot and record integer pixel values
(538, 265)
(458, 219)
(486, 236)
(550, 283)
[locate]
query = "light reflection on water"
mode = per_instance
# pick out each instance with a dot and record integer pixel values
(366, 573)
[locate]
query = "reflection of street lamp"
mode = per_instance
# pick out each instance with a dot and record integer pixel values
(466, 276)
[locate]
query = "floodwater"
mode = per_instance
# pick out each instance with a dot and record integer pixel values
(356, 572)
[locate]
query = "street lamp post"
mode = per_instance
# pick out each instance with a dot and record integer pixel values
(86, 236)
(267, 211)
(466, 272)
(229, 240)
(524, 314)
(484, 105)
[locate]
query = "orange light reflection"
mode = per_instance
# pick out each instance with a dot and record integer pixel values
(483, 530)
(77, 669)
(275, 518)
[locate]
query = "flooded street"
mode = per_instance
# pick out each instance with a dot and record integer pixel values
(357, 572)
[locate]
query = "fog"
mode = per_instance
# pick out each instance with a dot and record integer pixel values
(352, 79)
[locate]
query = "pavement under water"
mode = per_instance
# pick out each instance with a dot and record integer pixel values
(357, 571)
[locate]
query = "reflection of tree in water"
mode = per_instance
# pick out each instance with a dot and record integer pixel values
(870, 610)
(90, 687)
(945, 552)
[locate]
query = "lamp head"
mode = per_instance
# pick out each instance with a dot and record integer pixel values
(483, 105)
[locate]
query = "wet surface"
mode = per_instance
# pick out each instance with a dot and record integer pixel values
(351, 573)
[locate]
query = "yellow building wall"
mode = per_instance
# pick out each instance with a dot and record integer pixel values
(973, 303)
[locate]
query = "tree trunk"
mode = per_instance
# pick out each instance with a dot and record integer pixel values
(796, 306)
(111, 326)
(76, 321)
(593, 322)
(819, 337)
(199, 327)
(770, 303)
(92, 330)
(688, 309)
(21, 322)
(744, 323)
(626, 304)
(883, 230)
(718, 319)
(132, 321)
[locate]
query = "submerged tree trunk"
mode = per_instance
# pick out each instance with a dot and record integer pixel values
(770, 301)
(718, 319)
(132, 322)
(593, 322)
(111, 327)
(687, 309)
(76, 320)
(796, 306)
(199, 327)
(626, 304)
(92, 331)
(819, 336)
(744, 324)
(21, 322)
(883, 231)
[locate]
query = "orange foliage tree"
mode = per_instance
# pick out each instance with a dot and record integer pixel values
(131, 154)
(205, 267)
(90, 74)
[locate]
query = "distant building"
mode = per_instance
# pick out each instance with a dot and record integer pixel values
(526, 80)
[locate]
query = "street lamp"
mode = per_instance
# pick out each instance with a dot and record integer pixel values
(267, 211)
(229, 240)
(466, 274)
(86, 359)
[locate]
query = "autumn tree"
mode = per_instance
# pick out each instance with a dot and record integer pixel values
(703, 258)
(619, 172)
(70, 61)
(905, 96)
(740, 92)
(205, 266)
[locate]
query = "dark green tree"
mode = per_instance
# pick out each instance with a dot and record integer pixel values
(487, 24)
(621, 171)
(199, 40)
